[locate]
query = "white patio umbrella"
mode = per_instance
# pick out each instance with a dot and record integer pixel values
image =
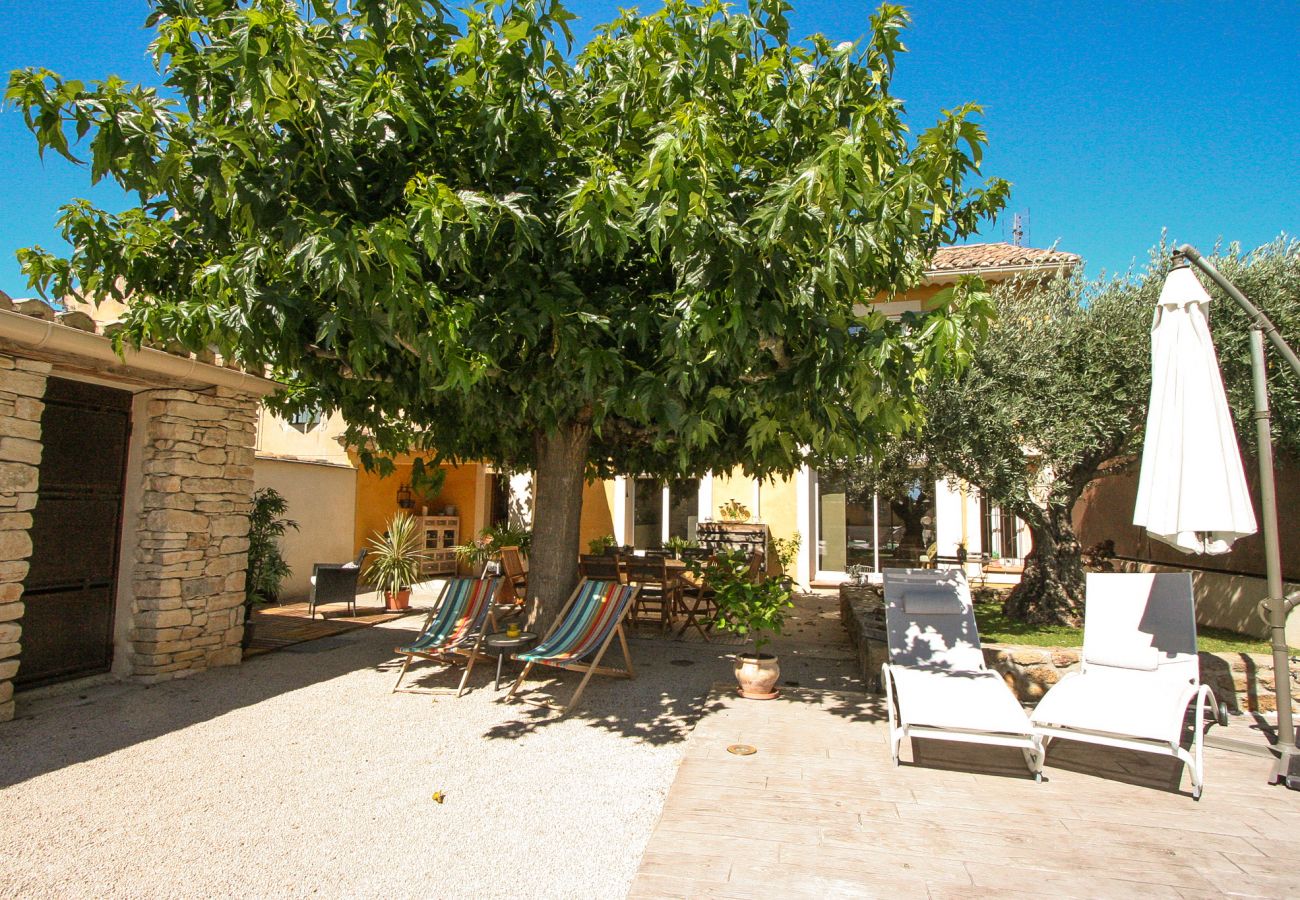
(1192, 489)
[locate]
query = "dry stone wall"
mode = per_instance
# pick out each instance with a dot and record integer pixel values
(192, 546)
(22, 385)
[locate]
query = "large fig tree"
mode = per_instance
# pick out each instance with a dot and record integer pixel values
(479, 244)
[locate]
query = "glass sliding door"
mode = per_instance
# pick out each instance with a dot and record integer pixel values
(856, 527)
(648, 514)
(683, 509)
(846, 525)
(906, 526)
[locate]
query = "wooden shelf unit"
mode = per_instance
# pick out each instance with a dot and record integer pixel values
(440, 535)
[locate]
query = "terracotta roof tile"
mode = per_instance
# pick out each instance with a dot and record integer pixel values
(998, 256)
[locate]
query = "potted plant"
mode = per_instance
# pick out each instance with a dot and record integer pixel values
(677, 545)
(754, 606)
(393, 563)
(786, 551)
(267, 568)
(487, 546)
(599, 545)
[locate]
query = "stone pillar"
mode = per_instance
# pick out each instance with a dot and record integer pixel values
(191, 548)
(22, 385)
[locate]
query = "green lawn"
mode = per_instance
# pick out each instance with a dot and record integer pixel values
(995, 628)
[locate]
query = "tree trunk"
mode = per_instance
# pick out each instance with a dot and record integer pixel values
(1051, 590)
(557, 513)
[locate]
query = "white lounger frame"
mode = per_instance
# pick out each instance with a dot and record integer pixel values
(1177, 588)
(1031, 747)
(1029, 744)
(1193, 758)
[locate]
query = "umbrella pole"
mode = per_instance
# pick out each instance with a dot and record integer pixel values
(1276, 607)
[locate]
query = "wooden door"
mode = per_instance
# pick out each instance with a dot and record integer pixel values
(70, 587)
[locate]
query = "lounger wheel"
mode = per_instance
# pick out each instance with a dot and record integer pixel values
(1221, 714)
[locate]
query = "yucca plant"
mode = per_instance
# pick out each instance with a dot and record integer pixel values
(393, 563)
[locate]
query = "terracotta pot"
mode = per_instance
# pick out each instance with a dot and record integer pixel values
(400, 600)
(757, 675)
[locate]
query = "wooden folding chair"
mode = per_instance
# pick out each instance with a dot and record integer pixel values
(600, 567)
(515, 572)
(456, 627)
(585, 627)
(656, 600)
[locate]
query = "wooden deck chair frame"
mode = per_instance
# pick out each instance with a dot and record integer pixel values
(592, 668)
(446, 655)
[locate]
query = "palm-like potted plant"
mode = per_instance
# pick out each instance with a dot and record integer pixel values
(267, 568)
(393, 563)
(750, 604)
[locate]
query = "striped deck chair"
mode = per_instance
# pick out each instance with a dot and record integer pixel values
(456, 627)
(585, 627)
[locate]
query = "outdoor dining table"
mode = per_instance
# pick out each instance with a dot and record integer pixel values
(679, 580)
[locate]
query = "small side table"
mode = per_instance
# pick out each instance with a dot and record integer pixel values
(504, 643)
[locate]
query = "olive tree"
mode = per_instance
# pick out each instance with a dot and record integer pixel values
(480, 244)
(1056, 397)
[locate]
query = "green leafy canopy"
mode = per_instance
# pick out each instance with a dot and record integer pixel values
(463, 235)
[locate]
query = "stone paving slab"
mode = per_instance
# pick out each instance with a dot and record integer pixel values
(820, 810)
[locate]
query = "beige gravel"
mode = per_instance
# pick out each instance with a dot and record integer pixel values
(300, 774)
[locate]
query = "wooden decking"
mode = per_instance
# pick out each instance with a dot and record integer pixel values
(277, 627)
(821, 811)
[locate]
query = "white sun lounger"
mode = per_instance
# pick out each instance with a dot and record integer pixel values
(1139, 672)
(936, 684)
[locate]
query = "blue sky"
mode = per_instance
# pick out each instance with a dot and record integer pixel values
(1113, 120)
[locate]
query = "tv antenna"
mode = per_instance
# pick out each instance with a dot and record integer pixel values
(1020, 228)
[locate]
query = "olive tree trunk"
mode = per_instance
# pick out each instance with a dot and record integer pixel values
(557, 514)
(1051, 590)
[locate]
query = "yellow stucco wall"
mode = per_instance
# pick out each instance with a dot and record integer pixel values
(597, 512)
(780, 511)
(275, 437)
(322, 500)
(377, 499)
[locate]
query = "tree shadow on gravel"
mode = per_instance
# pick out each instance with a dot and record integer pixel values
(661, 705)
(675, 678)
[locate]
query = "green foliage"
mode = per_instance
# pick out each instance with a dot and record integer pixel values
(677, 544)
(1064, 373)
(787, 551)
(432, 221)
(599, 545)
(747, 604)
(996, 627)
(477, 244)
(393, 563)
(487, 546)
(267, 568)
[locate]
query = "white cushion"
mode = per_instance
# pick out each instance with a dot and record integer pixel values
(1138, 657)
(966, 701)
(1121, 702)
(932, 600)
(348, 565)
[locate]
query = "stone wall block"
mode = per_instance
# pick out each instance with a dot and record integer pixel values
(15, 545)
(19, 449)
(170, 521)
(18, 478)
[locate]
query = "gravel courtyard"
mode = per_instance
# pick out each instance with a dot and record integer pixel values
(300, 774)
